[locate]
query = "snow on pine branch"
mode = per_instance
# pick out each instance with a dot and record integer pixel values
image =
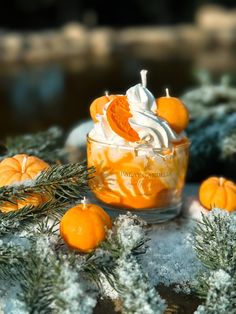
(15, 221)
(221, 297)
(46, 145)
(215, 245)
(215, 241)
(53, 283)
(54, 279)
(137, 294)
(121, 250)
(65, 182)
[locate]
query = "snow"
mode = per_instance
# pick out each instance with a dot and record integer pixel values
(130, 231)
(12, 304)
(221, 296)
(170, 259)
(74, 292)
(142, 298)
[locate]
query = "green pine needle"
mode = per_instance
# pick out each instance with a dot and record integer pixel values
(45, 145)
(64, 182)
(18, 220)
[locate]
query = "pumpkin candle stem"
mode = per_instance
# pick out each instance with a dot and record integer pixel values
(144, 77)
(84, 202)
(221, 181)
(106, 93)
(167, 92)
(24, 164)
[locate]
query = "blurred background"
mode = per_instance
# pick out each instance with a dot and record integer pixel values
(56, 56)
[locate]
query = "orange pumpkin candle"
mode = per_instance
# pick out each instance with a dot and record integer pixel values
(17, 169)
(98, 104)
(218, 192)
(173, 111)
(83, 227)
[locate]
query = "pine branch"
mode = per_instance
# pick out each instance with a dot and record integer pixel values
(12, 258)
(229, 145)
(45, 145)
(53, 283)
(136, 293)
(64, 182)
(221, 297)
(127, 237)
(55, 280)
(117, 260)
(210, 100)
(211, 130)
(18, 220)
(215, 241)
(215, 246)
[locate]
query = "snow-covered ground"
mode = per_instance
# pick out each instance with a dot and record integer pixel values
(169, 260)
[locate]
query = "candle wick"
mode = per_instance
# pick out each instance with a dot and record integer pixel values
(84, 202)
(167, 92)
(144, 77)
(222, 180)
(106, 93)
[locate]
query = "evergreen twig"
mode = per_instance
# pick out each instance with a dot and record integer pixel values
(53, 285)
(63, 182)
(215, 246)
(45, 145)
(17, 220)
(221, 297)
(12, 258)
(215, 241)
(56, 281)
(117, 260)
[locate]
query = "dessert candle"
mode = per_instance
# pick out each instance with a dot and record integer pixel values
(140, 153)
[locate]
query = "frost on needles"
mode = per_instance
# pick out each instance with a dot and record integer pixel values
(50, 278)
(221, 297)
(215, 245)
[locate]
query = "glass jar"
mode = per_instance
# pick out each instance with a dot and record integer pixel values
(144, 180)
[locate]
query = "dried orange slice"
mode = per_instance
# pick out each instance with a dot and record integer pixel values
(118, 115)
(98, 104)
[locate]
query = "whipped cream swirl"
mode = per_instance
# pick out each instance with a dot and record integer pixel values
(151, 129)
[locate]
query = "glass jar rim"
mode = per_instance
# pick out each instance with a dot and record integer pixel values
(187, 143)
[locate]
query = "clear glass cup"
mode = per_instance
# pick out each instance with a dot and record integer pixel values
(143, 180)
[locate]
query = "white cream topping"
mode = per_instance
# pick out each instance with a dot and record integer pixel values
(103, 132)
(151, 129)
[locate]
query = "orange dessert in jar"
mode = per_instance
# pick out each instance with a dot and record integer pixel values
(140, 153)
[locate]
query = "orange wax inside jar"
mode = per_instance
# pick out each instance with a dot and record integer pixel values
(137, 179)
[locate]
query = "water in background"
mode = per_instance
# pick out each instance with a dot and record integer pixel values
(35, 97)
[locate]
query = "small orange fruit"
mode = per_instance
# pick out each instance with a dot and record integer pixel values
(98, 104)
(218, 192)
(173, 111)
(118, 115)
(83, 227)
